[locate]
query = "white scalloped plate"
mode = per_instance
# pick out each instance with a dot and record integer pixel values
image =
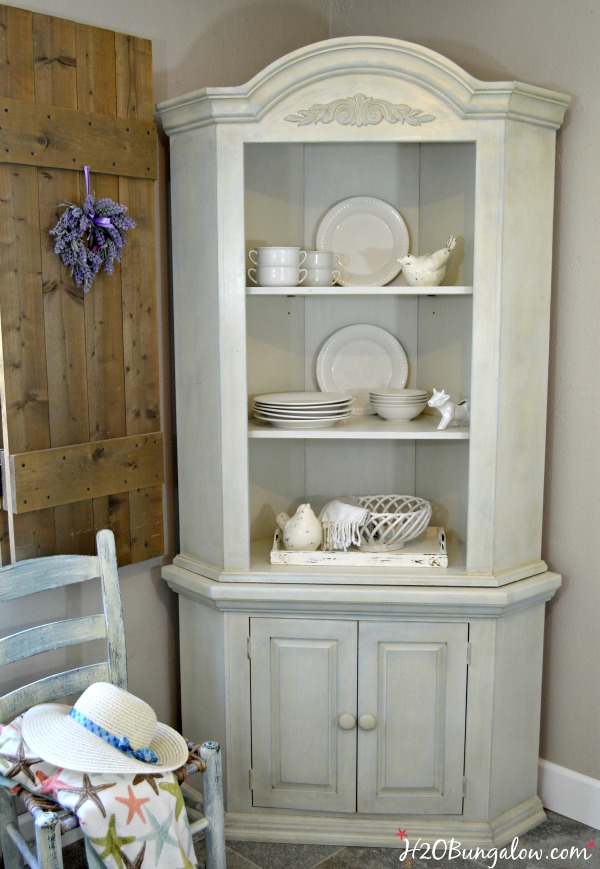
(361, 358)
(368, 235)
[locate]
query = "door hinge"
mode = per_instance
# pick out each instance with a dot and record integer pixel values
(250, 779)
(464, 792)
(249, 646)
(469, 654)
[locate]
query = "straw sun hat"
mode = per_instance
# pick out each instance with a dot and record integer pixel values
(108, 730)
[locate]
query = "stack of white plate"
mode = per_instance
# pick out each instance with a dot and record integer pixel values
(302, 410)
(398, 403)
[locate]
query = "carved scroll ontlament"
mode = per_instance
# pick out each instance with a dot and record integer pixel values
(359, 111)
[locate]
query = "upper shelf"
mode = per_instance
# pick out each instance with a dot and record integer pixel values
(359, 291)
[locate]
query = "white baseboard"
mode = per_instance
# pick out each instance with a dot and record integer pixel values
(569, 793)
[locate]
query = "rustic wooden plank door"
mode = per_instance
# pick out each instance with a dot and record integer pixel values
(76, 369)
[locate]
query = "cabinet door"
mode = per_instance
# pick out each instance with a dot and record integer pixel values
(412, 687)
(303, 677)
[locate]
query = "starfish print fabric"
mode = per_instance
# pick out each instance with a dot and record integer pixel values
(128, 820)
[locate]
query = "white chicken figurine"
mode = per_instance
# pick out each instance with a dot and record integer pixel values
(428, 269)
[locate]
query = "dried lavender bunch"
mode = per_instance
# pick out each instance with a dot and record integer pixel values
(90, 237)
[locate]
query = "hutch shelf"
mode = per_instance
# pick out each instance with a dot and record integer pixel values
(350, 699)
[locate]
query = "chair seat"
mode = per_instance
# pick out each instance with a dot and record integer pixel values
(37, 805)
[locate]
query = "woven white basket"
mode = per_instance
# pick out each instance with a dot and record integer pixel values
(394, 520)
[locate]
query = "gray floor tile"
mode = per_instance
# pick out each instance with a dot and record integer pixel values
(273, 855)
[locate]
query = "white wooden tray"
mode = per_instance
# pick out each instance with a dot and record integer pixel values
(427, 550)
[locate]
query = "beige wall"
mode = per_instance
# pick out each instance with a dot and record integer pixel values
(552, 43)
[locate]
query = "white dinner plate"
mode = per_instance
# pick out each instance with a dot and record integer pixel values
(294, 399)
(368, 235)
(322, 422)
(361, 358)
(284, 414)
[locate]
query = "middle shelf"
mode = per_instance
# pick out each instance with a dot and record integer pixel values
(367, 428)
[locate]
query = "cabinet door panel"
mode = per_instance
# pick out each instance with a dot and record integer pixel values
(303, 676)
(412, 679)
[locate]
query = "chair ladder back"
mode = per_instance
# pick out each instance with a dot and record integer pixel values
(50, 688)
(111, 595)
(51, 571)
(54, 635)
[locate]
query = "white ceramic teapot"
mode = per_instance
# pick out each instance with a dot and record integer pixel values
(301, 533)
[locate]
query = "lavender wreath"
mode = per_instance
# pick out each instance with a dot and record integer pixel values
(91, 236)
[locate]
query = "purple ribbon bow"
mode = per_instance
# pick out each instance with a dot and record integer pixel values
(98, 221)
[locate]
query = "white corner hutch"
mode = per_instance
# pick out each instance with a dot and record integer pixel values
(353, 700)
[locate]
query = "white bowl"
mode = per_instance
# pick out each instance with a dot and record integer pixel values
(404, 411)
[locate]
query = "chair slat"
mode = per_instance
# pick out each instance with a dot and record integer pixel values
(107, 559)
(54, 635)
(38, 574)
(48, 689)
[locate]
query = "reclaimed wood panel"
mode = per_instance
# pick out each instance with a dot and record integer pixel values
(39, 134)
(63, 475)
(81, 369)
(54, 59)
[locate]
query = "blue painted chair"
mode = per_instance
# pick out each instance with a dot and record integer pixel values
(26, 578)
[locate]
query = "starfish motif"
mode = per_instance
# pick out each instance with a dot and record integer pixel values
(20, 763)
(112, 843)
(134, 805)
(160, 833)
(52, 784)
(187, 864)
(174, 789)
(89, 792)
(137, 863)
(150, 778)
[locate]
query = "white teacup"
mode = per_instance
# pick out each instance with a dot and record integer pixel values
(321, 277)
(277, 276)
(321, 259)
(277, 256)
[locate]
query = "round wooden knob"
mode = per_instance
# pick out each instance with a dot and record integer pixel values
(367, 722)
(347, 721)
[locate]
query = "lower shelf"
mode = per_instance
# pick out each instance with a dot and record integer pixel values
(427, 550)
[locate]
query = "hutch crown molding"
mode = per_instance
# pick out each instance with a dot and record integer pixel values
(352, 698)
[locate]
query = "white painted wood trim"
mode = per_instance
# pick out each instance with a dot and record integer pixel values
(569, 793)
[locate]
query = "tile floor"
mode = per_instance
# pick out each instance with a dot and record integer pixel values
(558, 843)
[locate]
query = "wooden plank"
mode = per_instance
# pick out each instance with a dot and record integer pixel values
(96, 70)
(25, 392)
(40, 134)
(55, 61)
(140, 310)
(56, 83)
(67, 375)
(113, 513)
(140, 298)
(63, 475)
(147, 532)
(20, 308)
(16, 53)
(134, 77)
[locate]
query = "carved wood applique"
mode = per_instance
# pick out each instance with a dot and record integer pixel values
(359, 111)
